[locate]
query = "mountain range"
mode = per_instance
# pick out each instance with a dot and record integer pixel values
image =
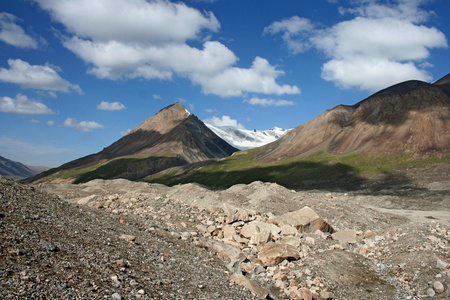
(172, 137)
(14, 169)
(395, 127)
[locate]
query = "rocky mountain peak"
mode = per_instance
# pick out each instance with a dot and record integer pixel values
(166, 119)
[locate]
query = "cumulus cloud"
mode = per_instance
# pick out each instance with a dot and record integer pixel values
(110, 106)
(85, 126)
(23, 105)
(224, 121)
(260, 78)
(269, 102)
(294, 32)
(13, 34)
(42, 77)
(382, 44)
(150, 41)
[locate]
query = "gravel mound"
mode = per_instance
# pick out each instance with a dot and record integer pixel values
(54, 249)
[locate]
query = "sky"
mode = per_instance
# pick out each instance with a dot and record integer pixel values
(77, 75)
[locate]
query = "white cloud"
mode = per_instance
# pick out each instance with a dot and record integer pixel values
(83, 125)
(22, 105)
(156, 97)
(224, 121)
(43, 77)
(150, 41)
(382, 45)
(135, 21)
(269, 102)
(110, 106)
(294, 31)
(50, 123)
(260, 78)
(347, 74)
(13, 34)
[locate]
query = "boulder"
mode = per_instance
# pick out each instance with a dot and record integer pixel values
(261, 238)
(305, 220)
(274, 253)
(249, 230)
(228, 231)
(249, 284)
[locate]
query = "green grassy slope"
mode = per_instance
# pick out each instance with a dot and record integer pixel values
(320, 169)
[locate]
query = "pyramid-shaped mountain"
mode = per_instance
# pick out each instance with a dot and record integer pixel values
(411, 118)
(172, 137)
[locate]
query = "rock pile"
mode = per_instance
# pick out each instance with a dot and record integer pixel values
(296, 254)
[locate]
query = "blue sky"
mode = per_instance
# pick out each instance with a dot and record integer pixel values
(75, 75)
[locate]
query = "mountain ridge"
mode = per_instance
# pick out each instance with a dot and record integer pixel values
(172, 137)
(408, 118)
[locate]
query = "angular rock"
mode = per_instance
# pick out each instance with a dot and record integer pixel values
(228, 231)
(261, 238)
(291, 240)
(274, 253)
(249, 230)
(306, 294)
(288, 230)
(305, 219)
(249, 284)
(345, 236)
(227, 252)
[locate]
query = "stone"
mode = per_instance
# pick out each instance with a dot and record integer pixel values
(438, 287)
(326, 295)
(288, 230)
(345, 236)
(249, 230)
(431, 292)
(291, 240)
(128, 237)
(227, 252)
(305, 220)
(249, 284)
(116, 296)
(274, 253)
(294, 293)
(368, 234)
(262, 237)
(306, 294)
(228, 231)
(440, 264)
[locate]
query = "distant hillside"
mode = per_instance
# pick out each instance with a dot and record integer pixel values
(410, 118)
(172, 137)
(9, 168)
(405, 125)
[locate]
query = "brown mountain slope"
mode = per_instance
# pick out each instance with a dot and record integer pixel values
(411, 118)
(170, 138)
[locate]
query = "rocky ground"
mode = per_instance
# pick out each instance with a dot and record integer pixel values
(128, 240)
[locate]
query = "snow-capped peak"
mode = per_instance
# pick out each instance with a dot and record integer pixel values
(242, 138)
